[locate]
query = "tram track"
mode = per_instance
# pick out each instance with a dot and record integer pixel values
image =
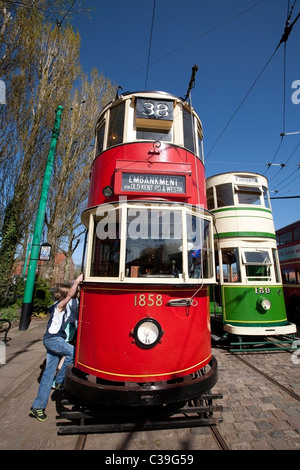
(219, 438)
(215, 432)
(80, 443)
(268, 377)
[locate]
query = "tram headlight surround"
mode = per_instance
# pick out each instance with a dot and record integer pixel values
(147, 333)
(263, 305)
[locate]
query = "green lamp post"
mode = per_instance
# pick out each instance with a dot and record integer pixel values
(29, 287)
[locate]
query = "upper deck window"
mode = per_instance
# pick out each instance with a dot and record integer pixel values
(154, 134)
(224, 195)
(210, 198)
(116, 125)
(154, 119)
(266, 197)
(284, 238)
(100, 138)
(297, 233)
(248, 195)
(188, 130)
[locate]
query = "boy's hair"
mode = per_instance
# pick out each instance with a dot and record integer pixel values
(61, 292)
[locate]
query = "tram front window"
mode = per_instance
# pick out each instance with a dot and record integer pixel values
(258, 265)
(147, 241)
(231, 265)
(198, 248)
(105, 254)
(153, 243)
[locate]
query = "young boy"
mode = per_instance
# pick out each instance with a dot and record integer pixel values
(56, 346)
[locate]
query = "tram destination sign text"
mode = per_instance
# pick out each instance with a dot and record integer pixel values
(153, 183)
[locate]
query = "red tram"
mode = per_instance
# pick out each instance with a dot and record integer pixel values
(288, 245)
(144, 323)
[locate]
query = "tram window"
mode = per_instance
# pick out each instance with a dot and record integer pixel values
(153, 243)
(256, 257)
(199, 251)
(100, 138)
(248, 195)
(285, 238)
(297, 233)
(231, 265)
(200, 147)
(224, 195)
(266, 197)
(289, 276)
(257, 265)
(116, 125)
(105, 252)
(276, 265)
(210, 198)
(154, 134)
(188, 131)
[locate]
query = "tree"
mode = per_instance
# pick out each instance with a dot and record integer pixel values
(69, 187)
(40, 64)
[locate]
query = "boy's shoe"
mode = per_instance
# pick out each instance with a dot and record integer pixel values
(59, 387)
(38, 414)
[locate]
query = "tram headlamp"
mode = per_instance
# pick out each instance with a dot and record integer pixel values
(107, 191)
(147, 333)
(264, 305)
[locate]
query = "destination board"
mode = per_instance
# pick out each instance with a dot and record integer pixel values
(135, 182)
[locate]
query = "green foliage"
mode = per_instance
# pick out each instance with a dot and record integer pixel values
(10, 237)
(40, 64)
(42, 298)
(10, 313)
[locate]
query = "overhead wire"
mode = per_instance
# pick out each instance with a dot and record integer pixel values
(283, 39)
(241, 103)
(287, 31)
(219, 25)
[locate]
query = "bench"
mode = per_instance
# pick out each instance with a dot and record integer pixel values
(5, 326)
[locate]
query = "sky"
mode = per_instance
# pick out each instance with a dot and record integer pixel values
(247, 90)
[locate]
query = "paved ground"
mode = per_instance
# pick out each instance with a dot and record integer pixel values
(257, 414)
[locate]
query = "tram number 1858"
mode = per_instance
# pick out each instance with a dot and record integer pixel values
(147, 300)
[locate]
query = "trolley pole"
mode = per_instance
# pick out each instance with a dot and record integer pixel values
(35, 247)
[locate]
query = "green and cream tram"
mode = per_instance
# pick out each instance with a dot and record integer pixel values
(248, 300)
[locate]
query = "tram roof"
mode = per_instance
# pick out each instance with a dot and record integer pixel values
(148, 92)
(239, 172)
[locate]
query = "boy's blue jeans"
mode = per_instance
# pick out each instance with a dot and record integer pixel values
(56, 347)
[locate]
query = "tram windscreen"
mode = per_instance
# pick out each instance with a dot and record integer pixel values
(153, 243)
(157, 243)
